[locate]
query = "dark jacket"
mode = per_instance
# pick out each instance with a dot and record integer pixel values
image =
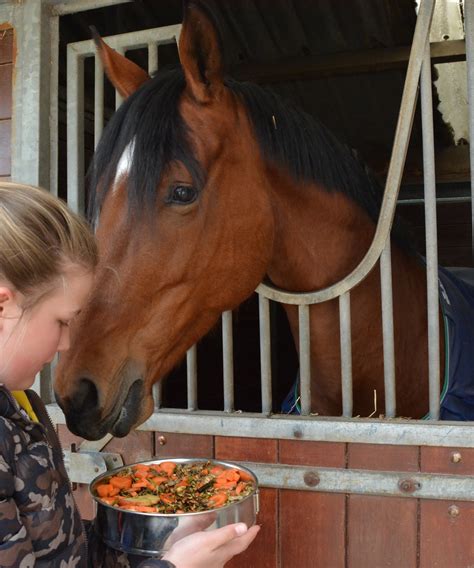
(39, 521)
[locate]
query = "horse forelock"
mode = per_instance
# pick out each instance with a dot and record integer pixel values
(143, 137)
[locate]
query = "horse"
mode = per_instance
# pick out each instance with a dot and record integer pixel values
(202, 187)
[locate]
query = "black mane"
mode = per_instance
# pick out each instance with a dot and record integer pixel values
(287, 136)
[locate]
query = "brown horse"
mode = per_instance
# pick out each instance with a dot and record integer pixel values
(203, 187)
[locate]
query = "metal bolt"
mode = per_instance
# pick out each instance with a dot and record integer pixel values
(453, 511)
(311, 478)
(96, 469)
(161, 440)
(73, 447)
(456, 457)
(297, 433)
(408, 485)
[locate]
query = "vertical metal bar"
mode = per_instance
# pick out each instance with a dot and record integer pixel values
(228, 356)
(305, 359)
(158, 394)
(118, 97)
(387, 331)
(98, 99)
(191, 371)
(265, 353)
(469, 22)
(346, 353)
(152, 58)
(431, 234)
(53, 112)
(75, 130)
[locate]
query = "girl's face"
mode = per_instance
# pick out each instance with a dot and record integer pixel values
(30, 339)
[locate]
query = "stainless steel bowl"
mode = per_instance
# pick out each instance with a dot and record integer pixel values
(152, 534)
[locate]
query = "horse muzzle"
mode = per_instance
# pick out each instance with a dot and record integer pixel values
(85, 416)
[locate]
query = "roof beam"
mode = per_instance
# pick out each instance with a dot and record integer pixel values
(347, 63)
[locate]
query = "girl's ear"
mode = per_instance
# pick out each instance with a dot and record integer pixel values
(8, 304)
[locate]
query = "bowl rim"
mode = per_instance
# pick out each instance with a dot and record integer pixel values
(233, 465)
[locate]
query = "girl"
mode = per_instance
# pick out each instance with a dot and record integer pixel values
(47, 258)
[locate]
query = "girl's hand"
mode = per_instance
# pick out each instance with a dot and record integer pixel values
(211, 549)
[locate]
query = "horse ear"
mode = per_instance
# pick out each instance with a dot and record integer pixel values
(124, 75)
(200, 53)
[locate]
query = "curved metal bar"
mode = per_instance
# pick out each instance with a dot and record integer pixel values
(397, 163)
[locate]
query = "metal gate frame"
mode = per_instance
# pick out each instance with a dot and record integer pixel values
(34, 160)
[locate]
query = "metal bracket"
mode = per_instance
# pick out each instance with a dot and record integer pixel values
(84, 466)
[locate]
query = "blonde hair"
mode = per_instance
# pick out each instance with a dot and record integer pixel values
(39, 235)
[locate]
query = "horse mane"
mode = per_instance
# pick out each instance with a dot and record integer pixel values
(287, 136)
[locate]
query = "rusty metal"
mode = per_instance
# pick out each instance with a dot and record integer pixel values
(311, 478)
(409, 485)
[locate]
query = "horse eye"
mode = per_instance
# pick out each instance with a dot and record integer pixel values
(183, 194)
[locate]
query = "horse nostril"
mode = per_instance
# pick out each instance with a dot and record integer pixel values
(86, 396)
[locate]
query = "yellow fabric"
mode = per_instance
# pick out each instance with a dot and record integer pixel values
(23, 401)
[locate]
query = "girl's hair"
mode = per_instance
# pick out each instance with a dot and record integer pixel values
(39, 235)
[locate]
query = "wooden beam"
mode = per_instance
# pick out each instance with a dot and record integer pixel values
(347, 63)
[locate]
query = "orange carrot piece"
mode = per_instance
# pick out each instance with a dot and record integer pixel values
(167, 467)
(122, 482)
(104, 489)
(145, 509)
(167, 498)
(244, 476)
(217, 500)
(158, 479)
(109, 500)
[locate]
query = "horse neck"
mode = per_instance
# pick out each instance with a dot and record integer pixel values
(319, 236)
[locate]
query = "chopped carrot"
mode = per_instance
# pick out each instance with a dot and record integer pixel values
(240, 487)
(158, 479)
(114, 491)
(109, 500)
(217, 500)
(167, 498)
(182, 483)
(216, 470)
(104, 490)
(145, 509)
(167, 467)
(122, 482)
(225, 485)
(140, 484)
(244, 476)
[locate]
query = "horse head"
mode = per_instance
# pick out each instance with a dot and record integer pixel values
(184, 225)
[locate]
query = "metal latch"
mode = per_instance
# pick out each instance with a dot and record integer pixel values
(84, 465)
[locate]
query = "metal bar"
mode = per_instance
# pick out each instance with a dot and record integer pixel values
(397, 163)
(31, 161)
(54, 97)
(132, 40)
(469, 23)
(98, 99)
(387, 331)
(346, 353)
(152, 58)
(431, 235)
(65, 7)
(305, 359)
(191, 372)
(228, 361)
(118, 96)
(365, 482)
(461, 199)
(265, 354)
(158, 394)
(75, 130)
(399, 432)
